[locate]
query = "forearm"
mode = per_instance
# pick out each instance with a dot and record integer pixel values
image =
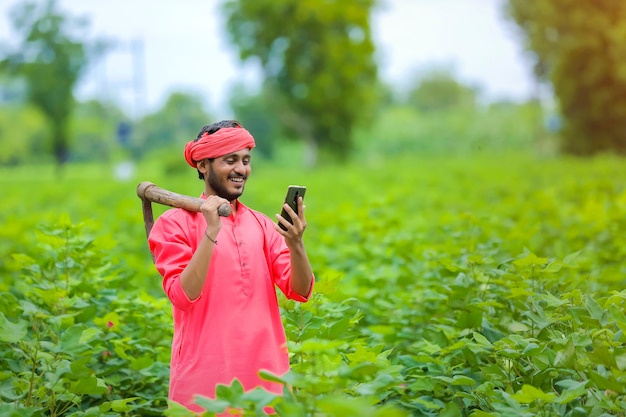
(301, 272)
(194, 275)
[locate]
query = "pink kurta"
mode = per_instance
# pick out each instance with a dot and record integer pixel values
(234, 328)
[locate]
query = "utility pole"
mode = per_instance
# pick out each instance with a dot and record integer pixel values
(139, 76)
(129, 62)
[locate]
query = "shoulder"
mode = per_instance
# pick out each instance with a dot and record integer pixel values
(173, 220)
(175, 215)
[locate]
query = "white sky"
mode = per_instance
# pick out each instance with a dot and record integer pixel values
(184, 47)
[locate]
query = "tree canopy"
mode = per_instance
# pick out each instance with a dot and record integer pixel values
(177, 122)
(318, 57)
(50, 56)
(440, 90)
(580, 47)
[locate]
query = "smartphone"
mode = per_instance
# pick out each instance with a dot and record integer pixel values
(293, 192)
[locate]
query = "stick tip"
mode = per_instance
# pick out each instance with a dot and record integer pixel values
(142, 187)
(224, 210)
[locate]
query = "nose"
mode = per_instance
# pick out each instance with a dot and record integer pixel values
(240, 168)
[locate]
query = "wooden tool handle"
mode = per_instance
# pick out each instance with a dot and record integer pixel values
(150, 192)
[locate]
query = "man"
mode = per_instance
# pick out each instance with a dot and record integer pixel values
(220, 274)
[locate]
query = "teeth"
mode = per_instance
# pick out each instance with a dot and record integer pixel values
(237, 179)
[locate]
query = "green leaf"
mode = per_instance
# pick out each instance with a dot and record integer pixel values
(316, 345)
(79, 368)
(553, 267)
(89, 386)
(528, 394)
(620, 360)
(121, 406)
(462, 380)
(451, 410)
(11, 410)
(89, 334)
(11, 332)
(574, 390)
(571, 259)
(345, 406)
(427, 404)
(422, 383)
(212, 406)
(606, 382)
(596, 312)
(232, 394)
(531, 349)
(480, 413)
(259, 396)
(70, 340)
(566, 357)
(175, 409)
(288, 379)
(517, 327)
(141, 362)
(481, 340)
(529, 260)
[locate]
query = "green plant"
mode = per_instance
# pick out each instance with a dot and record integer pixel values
(76, 339)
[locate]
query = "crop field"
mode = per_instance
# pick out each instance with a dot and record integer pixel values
(490, 285)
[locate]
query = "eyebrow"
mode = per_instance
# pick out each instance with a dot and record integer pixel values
(236, 155)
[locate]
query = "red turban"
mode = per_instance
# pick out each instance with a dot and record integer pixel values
(220, 143)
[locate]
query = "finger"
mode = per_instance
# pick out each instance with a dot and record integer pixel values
(301, 208)
(291, 212)
(284, 222)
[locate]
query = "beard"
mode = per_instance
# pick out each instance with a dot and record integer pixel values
(219, 188)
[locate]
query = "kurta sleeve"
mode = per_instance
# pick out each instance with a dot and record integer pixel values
(172, 247)
(280, 264)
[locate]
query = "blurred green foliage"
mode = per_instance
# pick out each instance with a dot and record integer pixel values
(177, 122)
(255, 111)
(580, 47)
(438, 90)
(500, 127)
(320, 89)
(51, 55)
(23, 131)
(160, 136)
(92, 132)
(318, 59)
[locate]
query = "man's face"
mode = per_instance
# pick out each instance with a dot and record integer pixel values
(226, 176)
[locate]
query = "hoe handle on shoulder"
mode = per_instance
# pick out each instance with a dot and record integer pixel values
(149, 193)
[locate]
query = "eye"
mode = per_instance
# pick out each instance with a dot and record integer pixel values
(246, 161)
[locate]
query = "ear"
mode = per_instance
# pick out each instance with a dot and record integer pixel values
(202, 165)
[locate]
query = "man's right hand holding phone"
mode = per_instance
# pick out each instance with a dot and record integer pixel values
(292, 231)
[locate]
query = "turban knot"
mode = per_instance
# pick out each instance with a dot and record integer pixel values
(220, 143)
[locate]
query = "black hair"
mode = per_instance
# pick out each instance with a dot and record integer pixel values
(212, 128)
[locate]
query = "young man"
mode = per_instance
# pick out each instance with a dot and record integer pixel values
(220, 274)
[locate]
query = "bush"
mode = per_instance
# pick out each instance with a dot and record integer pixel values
(77, 339)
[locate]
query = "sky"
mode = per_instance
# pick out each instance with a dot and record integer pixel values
(170, 45)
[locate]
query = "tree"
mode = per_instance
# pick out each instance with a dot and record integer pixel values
(580, 47)
(20, 128)
(93, 129)
(259, 116)
(439, 90)
(318, 56)
(51, 57)
(177, 122)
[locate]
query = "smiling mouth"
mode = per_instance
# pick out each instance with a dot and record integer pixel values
(237, 180)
